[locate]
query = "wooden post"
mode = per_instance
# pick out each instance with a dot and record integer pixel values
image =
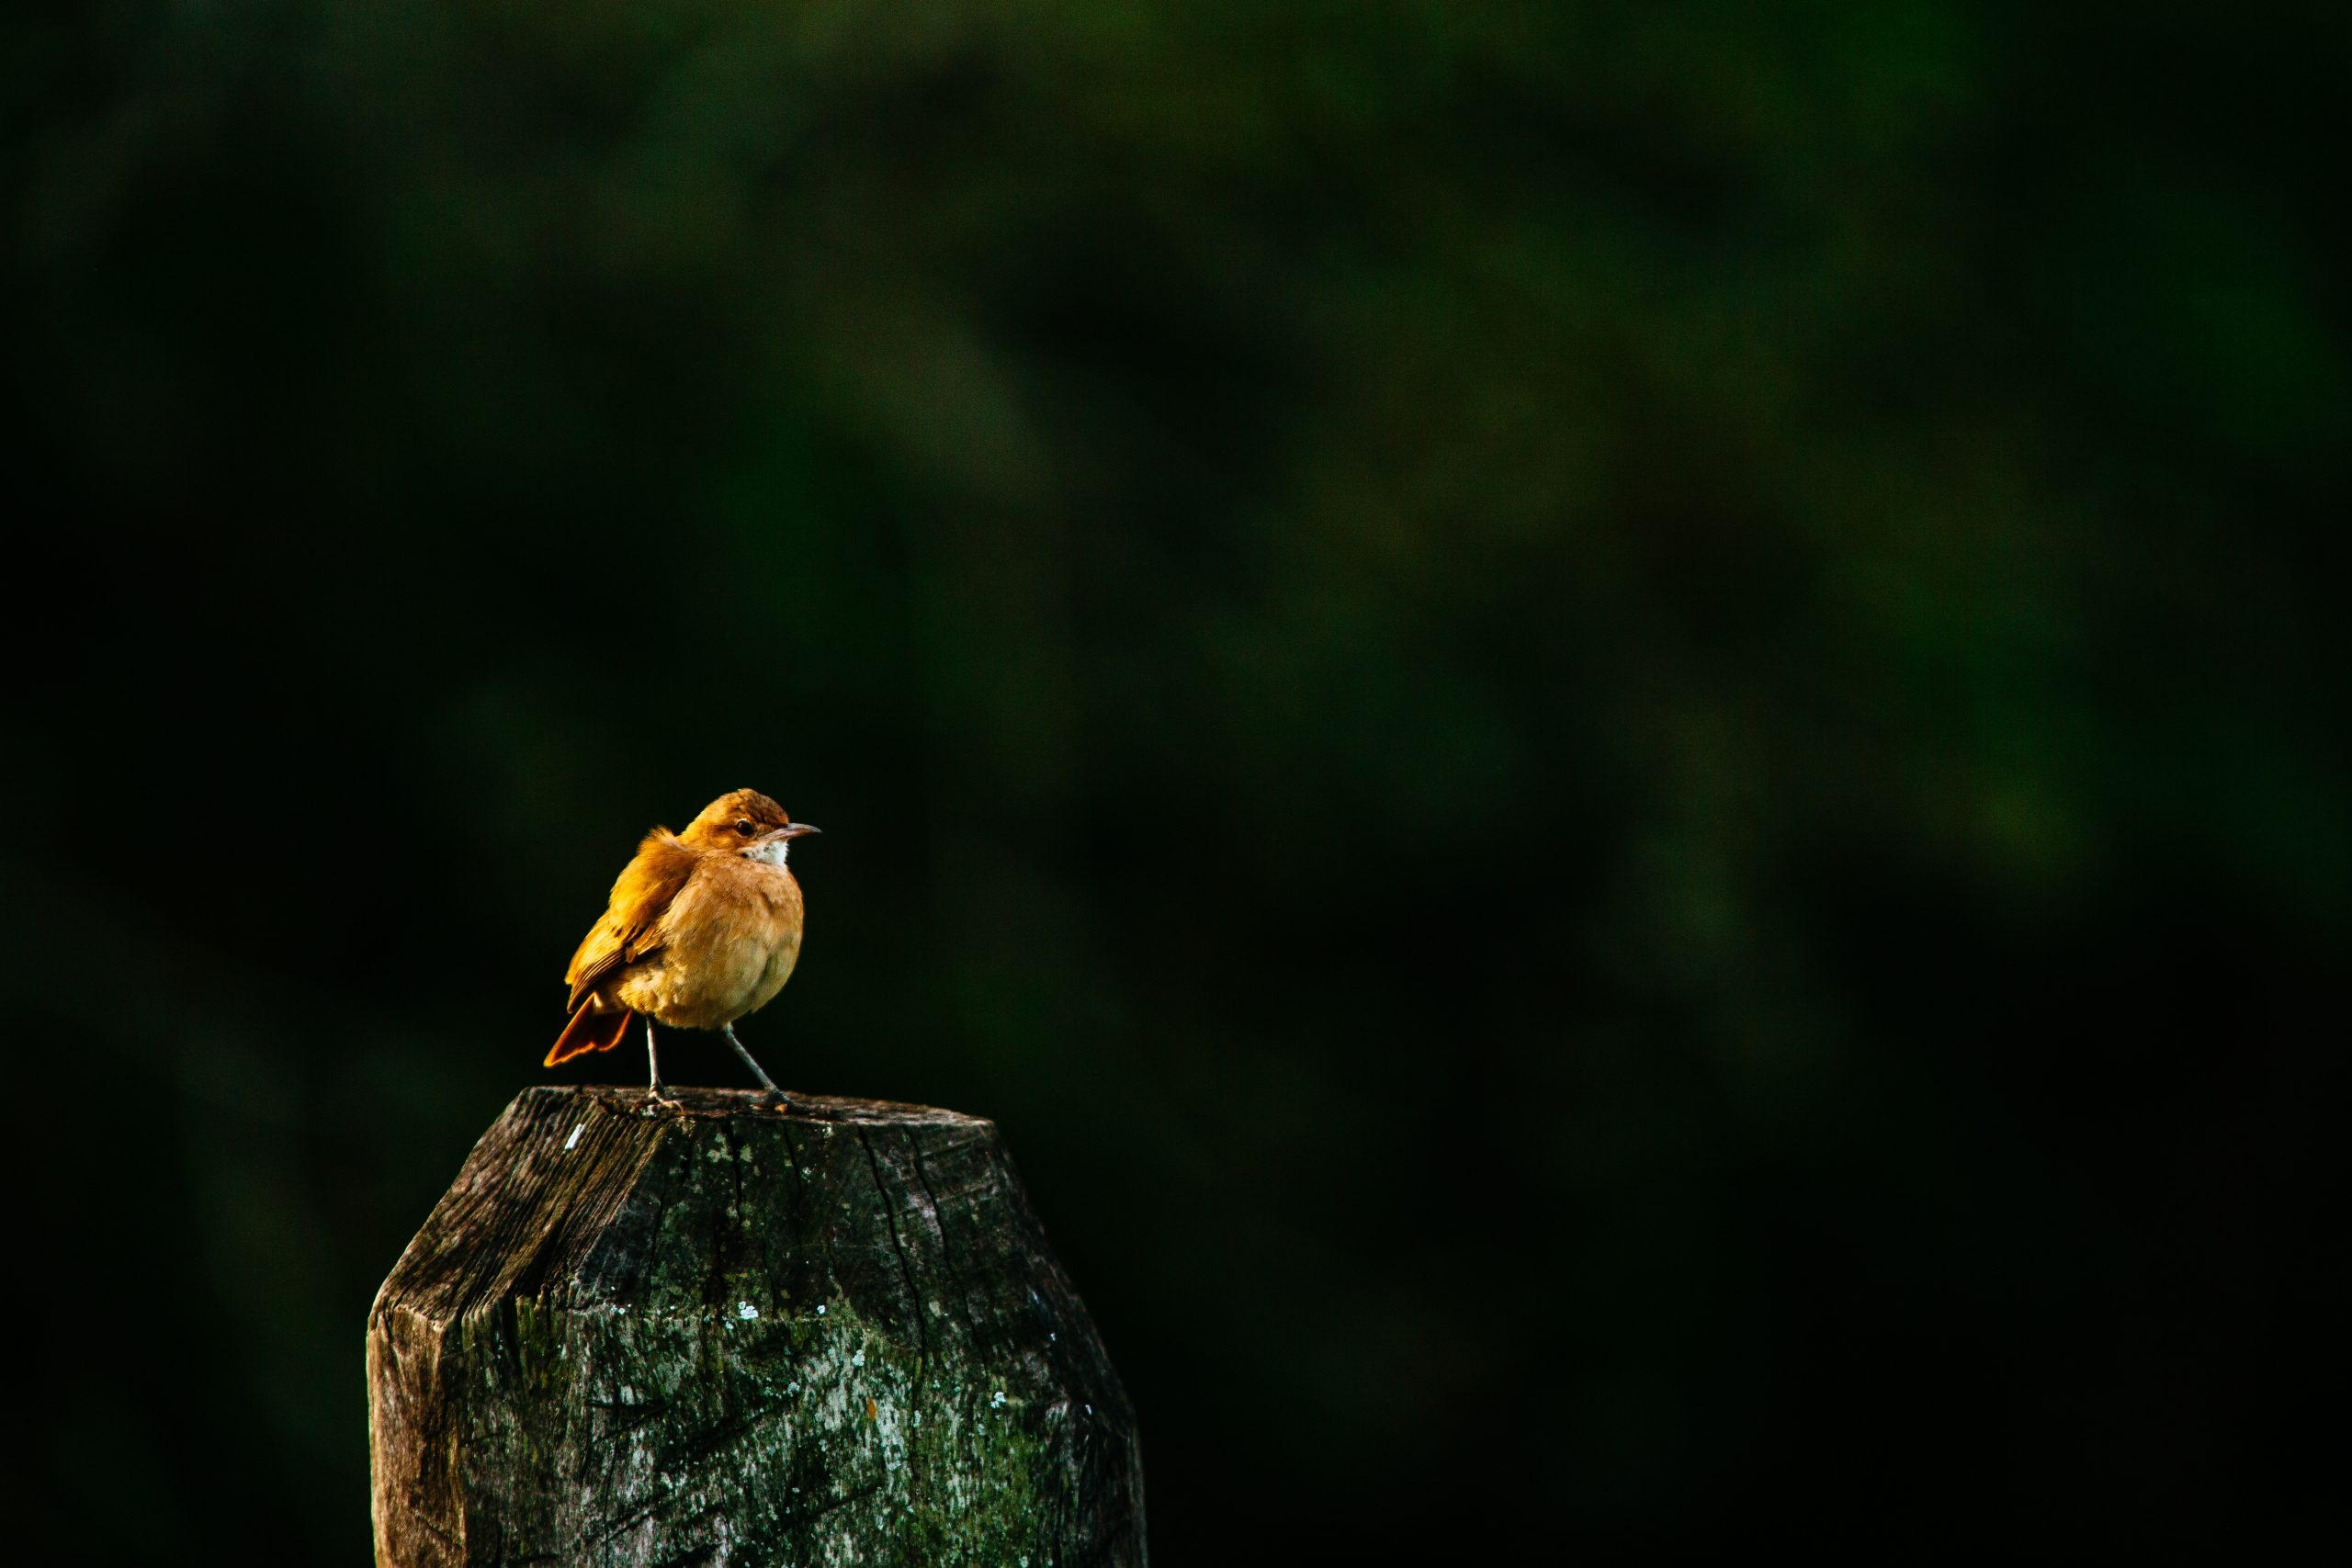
(731, 1336)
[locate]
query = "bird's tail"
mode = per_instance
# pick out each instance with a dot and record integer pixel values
(589, 1031)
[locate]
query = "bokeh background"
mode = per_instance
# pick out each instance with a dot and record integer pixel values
(1615, 731)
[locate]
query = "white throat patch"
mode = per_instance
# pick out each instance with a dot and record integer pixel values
(776, 851)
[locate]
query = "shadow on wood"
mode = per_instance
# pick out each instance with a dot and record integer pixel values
(725, 1335)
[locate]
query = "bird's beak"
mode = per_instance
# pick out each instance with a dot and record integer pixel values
(791, 830)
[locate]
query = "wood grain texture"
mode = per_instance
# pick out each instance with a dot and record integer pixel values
(734, 1336)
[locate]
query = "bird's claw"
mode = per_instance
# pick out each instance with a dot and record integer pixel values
(657, 1102)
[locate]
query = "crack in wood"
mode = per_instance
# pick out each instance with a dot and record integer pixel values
(897, 1245)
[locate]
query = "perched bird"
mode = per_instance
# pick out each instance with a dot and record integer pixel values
(702, 929)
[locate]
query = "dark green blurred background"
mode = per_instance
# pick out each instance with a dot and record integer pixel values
(1615, 731)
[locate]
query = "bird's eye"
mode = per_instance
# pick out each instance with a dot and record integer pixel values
(744, 827)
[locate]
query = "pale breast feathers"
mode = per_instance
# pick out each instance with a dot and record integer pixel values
(730, 936)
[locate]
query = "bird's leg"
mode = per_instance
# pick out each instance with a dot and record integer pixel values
(657, 1093)
(757, 1072)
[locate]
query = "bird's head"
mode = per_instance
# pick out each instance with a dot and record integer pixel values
(747, 823)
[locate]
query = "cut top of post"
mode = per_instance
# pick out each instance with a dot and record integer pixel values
(553, 1201)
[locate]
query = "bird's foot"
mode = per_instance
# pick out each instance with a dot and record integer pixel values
(658, 1101)
(776, 1099)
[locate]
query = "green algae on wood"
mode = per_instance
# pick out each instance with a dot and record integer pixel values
(720, 1335)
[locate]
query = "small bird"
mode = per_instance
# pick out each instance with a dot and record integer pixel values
(702, 929)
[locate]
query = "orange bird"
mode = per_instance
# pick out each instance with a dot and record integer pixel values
(702, 929)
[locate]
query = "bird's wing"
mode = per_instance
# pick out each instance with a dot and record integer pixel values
(629, 930)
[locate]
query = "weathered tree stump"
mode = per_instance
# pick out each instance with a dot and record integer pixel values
(730, 1335)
